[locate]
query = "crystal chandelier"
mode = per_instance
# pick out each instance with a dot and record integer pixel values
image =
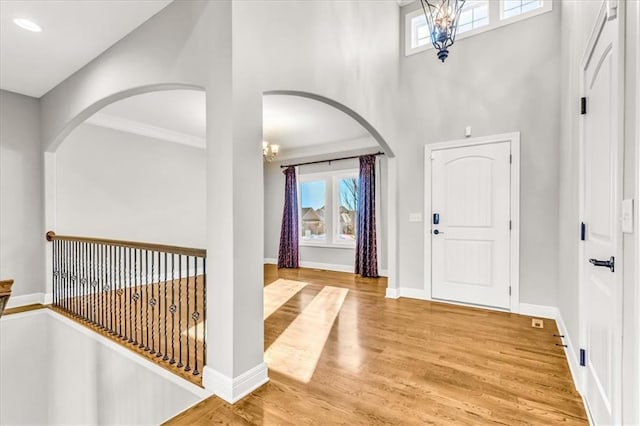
(269, 151)
(442, 19)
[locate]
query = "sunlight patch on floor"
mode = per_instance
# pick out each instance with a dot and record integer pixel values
(297, 350)
(278, 293)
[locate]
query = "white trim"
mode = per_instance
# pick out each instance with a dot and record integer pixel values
(142, 129)
(26, 299)
(538, 311)
(413, 293)
(324, 266)
(392, 225)
(233, 389)
(547, 6)
(392, 293)
(514, 140)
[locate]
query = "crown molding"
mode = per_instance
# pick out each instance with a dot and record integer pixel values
(142, 129)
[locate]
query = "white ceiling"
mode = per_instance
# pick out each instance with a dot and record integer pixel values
(73, 33)
(295, 122)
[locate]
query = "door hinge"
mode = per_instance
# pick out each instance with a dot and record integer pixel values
(583, 357)
(510, 158)
(510, 224)
(583, 105)
(583, 231)
(509, 290)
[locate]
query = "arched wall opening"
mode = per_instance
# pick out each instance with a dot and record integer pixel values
(330, 256)
(121, 170)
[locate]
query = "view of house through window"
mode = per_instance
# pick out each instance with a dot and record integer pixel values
(347, 207)
(312, 203)
(328, 208)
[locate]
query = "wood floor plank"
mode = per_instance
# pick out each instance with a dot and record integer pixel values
(407, 361)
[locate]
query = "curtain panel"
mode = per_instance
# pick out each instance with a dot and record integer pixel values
(288, 251)
(366, 245)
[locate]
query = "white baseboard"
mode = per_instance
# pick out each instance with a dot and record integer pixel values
(234, 389)
(413, 293)
(392, 293)
(543, 311)
(323, 266)
(570, 351)
(26, 299)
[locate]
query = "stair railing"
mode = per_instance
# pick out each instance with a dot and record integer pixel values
(151, 296)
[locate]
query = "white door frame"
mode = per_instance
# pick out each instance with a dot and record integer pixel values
(600, 21)
(514, 269)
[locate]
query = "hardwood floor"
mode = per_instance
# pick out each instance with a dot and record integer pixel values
(405, 362)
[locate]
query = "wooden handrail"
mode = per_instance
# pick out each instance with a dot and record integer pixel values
(185, 251)
(5, 287)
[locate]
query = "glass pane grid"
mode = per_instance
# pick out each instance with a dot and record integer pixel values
(312, 212)
(347, 209)
(511, 8)
(475, 14)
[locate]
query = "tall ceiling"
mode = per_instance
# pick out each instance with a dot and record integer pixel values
(73, 33)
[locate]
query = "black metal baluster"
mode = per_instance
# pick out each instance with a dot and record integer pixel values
(180, 364)
(54, 279)
(152, 303)
(172, 308)
(186, 312)
(103, 286)
(141, 304)
(75, 279)
(146, 292)
(83, 281)
(120, 291)
(92, 273)
(136, 296)
(166, 356)
(204, 311)
(195, 314)
(130, 298)
(158, 325)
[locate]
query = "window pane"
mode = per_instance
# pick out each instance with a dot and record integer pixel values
(347, 209)
(511, 8)
(475, 14)
(312, 203)
(419, 31)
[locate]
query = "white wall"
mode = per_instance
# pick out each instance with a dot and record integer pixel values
(346, 51)
(500, 81)
(55, 371)
(21, 194)
(274, 201)
(119, 185)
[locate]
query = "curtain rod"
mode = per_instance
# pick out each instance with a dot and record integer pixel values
(327, 161)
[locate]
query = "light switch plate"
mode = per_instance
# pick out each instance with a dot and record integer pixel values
(415, 217)
(627, 216)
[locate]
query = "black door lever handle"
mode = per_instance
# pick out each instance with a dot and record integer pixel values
(611, 263)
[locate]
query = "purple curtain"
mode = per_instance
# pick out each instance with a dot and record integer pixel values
(366, 250)
(288, 253)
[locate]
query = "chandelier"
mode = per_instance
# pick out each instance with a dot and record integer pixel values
(442, 19)
(269, 151)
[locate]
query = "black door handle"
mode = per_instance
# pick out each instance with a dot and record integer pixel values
(611, 263)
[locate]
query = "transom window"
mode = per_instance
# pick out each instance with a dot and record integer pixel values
(476, 17)
(328, 208)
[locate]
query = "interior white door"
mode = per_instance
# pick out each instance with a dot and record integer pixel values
(470, 245)
(602, 302)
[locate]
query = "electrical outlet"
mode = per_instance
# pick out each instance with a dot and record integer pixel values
(537, 323)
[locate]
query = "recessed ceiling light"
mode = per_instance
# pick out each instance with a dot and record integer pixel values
(27, 25)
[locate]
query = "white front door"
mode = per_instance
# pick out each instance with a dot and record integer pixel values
(470, 217)
(601, 292)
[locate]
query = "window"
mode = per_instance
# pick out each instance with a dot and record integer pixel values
(511, 8)
(328, 208)
(312, 203)
(477, 16)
